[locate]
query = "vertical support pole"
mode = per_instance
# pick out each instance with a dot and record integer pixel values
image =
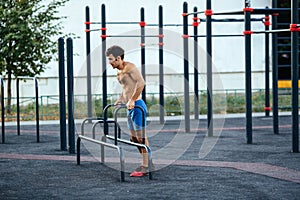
(275, 72)
(116, 132)
(71, 124)
(37, 114)
(295, 77)
(18, 106)
(186, 69)
(104, 73)
(196, 82)
(88, 62)
(104, 85)
(267, 65)
(143, 51)
(210, 124)
(103, 139)
(161, 65)
(62, 101)
(2, 111)
(78, 150)
(248, 87)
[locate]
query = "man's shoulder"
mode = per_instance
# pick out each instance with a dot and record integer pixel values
(129, 66)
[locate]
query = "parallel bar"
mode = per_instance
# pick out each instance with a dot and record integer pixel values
(119, 149)
(88, 120)
(143, 121)
(117, 136)
(295, 78)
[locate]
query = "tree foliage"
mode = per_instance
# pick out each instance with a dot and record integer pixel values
(27, 43)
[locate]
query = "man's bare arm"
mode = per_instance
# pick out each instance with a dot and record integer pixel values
(120, 100)
(139, 86)
(140, 83)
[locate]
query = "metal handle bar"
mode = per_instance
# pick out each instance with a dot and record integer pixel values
(119, 106)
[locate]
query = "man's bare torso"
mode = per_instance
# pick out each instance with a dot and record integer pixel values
(130, 79)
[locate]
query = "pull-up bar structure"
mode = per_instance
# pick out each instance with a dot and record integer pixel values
(254, 11)
(247, 12)
(36, 105)
(104, 36)
(142, 37)
(62, 98)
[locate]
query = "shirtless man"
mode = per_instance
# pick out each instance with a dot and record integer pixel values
(132, 84)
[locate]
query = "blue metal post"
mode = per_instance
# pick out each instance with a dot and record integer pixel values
(210, 124)
(186, 69)
(196, 82)
(275, 72)
(62, 101)
(267, 63)
(143, 51)
(161, 66)
(248, 86)
(88, 63)
(2, 111)
(295, 76)
(104, 65)
(37, 114)
(71, 124)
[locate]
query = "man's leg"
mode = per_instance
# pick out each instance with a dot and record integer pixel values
(136, 136)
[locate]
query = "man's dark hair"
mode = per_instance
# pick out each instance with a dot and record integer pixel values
(115, 51)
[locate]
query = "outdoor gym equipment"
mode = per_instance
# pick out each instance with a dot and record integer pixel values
(247, 12)
(116, 137)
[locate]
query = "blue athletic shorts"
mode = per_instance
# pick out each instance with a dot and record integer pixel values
(135, 116)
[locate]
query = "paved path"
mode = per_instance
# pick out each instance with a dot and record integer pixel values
(232, 169)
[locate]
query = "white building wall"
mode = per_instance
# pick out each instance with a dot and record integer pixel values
(228, 53)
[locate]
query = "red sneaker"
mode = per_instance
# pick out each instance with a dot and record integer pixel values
(140, 171)
(137, 174)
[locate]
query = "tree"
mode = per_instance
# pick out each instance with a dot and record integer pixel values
(27, 29)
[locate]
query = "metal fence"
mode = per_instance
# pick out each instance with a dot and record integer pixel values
(225, 101)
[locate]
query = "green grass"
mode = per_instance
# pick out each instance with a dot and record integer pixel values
(229, 102)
